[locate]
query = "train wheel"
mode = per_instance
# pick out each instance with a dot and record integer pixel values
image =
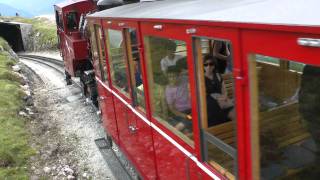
(92, 88)
(84, 88)
(109, 141)
(68, 78)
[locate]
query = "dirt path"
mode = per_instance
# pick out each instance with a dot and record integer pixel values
(64, 129)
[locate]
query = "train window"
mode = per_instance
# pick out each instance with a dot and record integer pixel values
(213, 60)
(101, 53)
(267, 59)
(72, 21)
(93, 43)
(295, 66)
(285, 119)
(94, 50)
(118, 64)
(59, 20)
(169, 85)
(135, 67)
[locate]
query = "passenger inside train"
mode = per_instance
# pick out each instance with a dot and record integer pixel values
(219, 107)
(171, 57)
(169, 84)
(222, 51)
(178, 100)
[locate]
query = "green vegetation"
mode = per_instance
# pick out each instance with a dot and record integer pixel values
(14, 148)
(44, 32)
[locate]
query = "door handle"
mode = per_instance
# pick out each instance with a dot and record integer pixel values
(101, 98)
(133, 129)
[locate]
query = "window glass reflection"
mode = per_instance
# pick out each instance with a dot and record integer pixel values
(288, 118)
(169, 85)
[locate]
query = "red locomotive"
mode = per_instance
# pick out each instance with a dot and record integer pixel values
(73, 41)
(211, 90)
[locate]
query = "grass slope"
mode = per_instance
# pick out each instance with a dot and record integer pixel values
(14, 148)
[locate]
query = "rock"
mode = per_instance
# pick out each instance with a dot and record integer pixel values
(37, 171)
(85, 175)
(29, 101)
(21, 113)
(68, 170)
(70, 177)
(62, 173)
(16, 68)
(47, 170)
(27, 92)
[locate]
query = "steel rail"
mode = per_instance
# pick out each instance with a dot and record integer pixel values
(48, 59)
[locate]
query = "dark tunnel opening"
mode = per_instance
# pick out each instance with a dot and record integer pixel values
(12, 33)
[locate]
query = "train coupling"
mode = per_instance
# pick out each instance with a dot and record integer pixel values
(88, 76)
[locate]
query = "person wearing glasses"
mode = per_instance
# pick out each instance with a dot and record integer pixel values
(219, 106)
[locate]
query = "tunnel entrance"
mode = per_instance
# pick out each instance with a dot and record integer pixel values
(15, 33)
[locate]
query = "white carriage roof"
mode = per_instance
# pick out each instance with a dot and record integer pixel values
(283, 12)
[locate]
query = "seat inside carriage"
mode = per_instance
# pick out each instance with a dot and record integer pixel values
(284, 136)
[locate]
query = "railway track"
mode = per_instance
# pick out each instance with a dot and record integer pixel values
(102, 143)
(50, 62)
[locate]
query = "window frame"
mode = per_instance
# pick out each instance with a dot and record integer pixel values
(100, 44)
(280, 44)
(175, 32)
(67, 21)
(206, 137)
(122, 26)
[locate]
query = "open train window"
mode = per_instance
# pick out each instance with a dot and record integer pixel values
(72, 23)
(117, 59)
(215, 85)
(169, 85)
(101, 53)
(285, 119)
(59, 20)
(133, 55)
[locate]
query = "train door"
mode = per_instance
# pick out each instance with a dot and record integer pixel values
(283, 71)
(100, 66)
(216, 56)
(168, 59)
(127, 78)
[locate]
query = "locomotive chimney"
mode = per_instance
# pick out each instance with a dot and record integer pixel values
(107, 4)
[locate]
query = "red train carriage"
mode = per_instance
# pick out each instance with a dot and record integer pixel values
(212, 90)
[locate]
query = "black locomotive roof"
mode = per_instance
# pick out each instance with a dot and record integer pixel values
(284, 12)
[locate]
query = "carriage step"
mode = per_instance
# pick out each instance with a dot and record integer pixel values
(112, 160)
(102, 143)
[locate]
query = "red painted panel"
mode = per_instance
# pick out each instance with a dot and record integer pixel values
(121, 117)
(145, 156)
(281, 45)
(171, 162)
(196, 173)
(137, 145)
(108, 112)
